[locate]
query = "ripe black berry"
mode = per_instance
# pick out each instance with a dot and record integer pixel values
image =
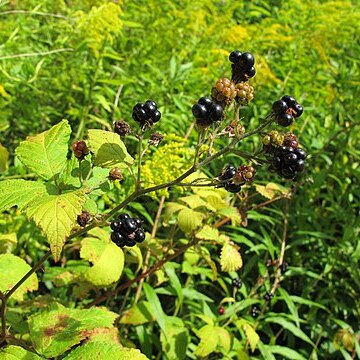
(129, 226)
(117, 237)
(116, 225)
(233, 188)
(247, 60)
(235, 56)
(237, 283)
(207, 112)
(227, 172)
(298, 110)
(290, 101)
(199, 111)
(205, 100)
(146, 114)
(139, 236)
(268, 296)
(254, 311)
(300, 153)
(250, 73)
(123, 217)
(279, 106)
(284, 119)
(216, 112)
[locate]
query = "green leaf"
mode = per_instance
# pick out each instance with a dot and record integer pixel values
(58, 329)
(4, 157)
(296, 331)
(231, 213)
(175, 344)
(271, 190)
(20, 193)
(109, 151)
(7, 242)
(208, 341)
(174, 280)
(251, 336)
(104, 351)
(139, 314)
(13, 352)
(107, 259)
(12, 269)
(189, 220)
(56, 215)
(155, 305)
(45, 153)
(193, 201)
(285, 351)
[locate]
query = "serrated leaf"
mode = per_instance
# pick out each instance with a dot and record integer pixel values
(175, 344)
(271, 190)
(12, 269)
(172, 207)
(193, 201)
(189, 220)
(139, 314)
(232, 213)
(20, 193)
(230, 258)
(109, 151)
(206, 346)
(56, 215)
(7, 242)
(251, 335)
(224, 338)
(45, 153)
(108, 260)
(4, 157)
(58, 329)
(13, 352)
(104, 351)
(208, 233)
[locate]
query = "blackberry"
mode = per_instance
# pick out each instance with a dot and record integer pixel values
(227, 173)
(122, 128)
(290, 101)
(235, 56)
(237, 283)
(242, 66)
(245, 93)
(206, 112)
(80, 149)
(127, 231)
(83, 219)
(298, 110)
(300, 153)
(224, 92)
(285, 119)
(146, 114)
(280, 106)
(232, 187)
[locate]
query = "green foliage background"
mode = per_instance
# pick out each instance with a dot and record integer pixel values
(90, 61)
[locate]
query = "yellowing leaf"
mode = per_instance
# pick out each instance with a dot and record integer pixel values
(13, 352)
(193, 201)
(7, 242)
(208, 341)
(108, 260)
(45, 153)
(189, 219)
(224, 338)
(12, 269)
(251, 335)
(56, 215)
(109, 151)
(230, 258)
(271, 190)
(139, 314)
(208, 233)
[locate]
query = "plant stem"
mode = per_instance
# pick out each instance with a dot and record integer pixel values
(3, 317)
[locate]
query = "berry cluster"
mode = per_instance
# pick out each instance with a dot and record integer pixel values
(268, 296)
(242, 66)
(80, 149)
(288, 162)
(206, 112)
(122, 128)
(232, 179)
(127, 231)
(244, 93)
(255, 311)
(286, 109)
(224, 92)
(237, 283)
(146, 114)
